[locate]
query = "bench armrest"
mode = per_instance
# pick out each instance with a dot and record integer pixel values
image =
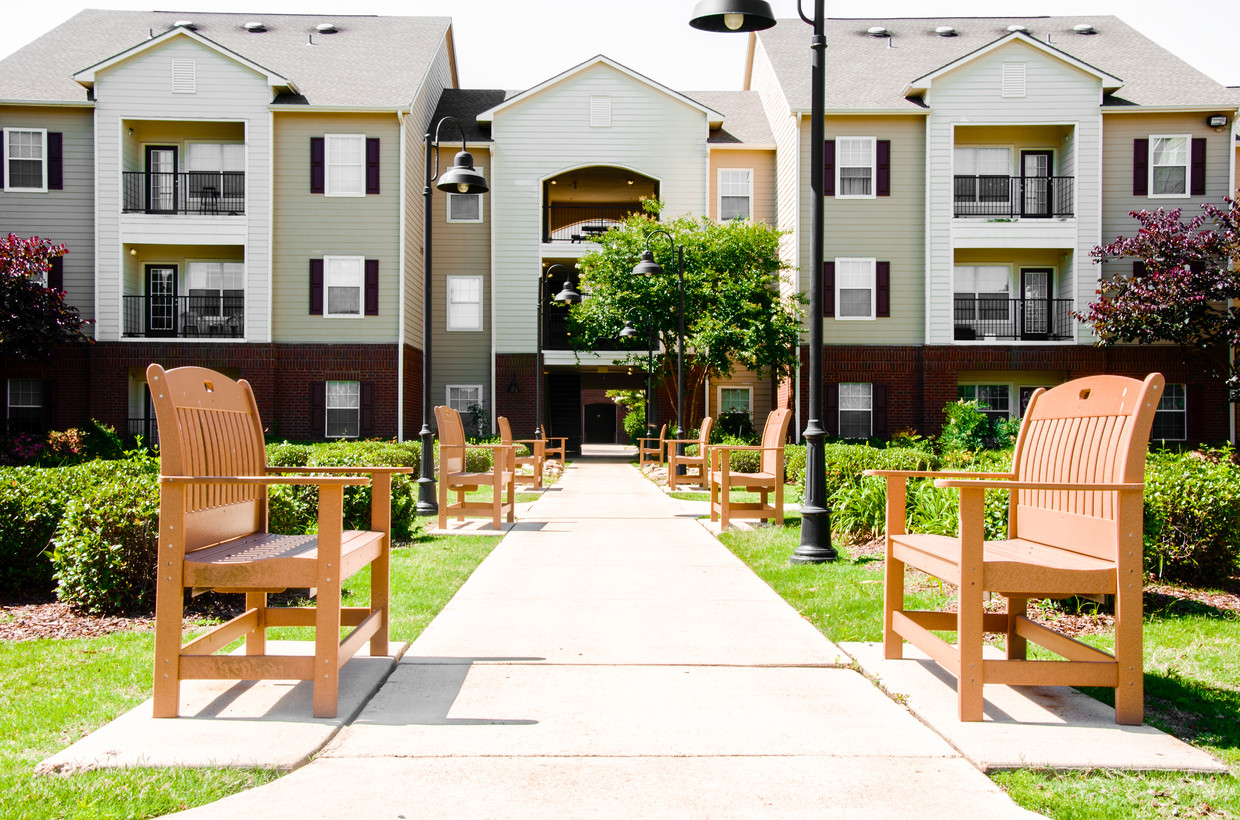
(937, 474)
(390, 470)
(343, 481)
(1032, 485)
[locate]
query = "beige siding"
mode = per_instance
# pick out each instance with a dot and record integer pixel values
(761, 398)
(784, 126)
(66, 216)
(310, 226)
(762, 164)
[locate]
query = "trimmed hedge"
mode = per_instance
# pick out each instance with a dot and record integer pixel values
(1192, 516)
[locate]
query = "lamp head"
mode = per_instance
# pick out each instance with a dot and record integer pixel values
(461, 178)
(567, 294)
(647, 266)
(732, 15)
(629, 331)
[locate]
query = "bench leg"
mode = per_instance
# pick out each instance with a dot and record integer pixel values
(1016, 645)
(380, 568)
(256, 641)
(169, 600)
(1130, 691)
(969, 620)
(893, 573)
(326, 673)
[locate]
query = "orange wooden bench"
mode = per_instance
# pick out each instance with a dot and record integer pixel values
(1074, 528)
(534, 460)
(652, 450)
(697, 462)
(212, 521)
(454, 476)
(551, 450)
(769, 478)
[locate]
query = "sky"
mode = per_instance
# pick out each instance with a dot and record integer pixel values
(515, 45)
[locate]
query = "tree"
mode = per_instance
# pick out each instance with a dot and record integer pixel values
(35, 316)
(1182, 288)
(734, 312)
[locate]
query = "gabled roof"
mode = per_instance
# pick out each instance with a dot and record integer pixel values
(599, 59)
(371, 61)
(867, 73)
(744, 120)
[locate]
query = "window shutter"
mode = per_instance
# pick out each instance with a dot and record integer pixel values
(316, 288)
(372, 165)
(2, 166)
(317, 155)
(372, 287)
(828, 168)
(366, 423)
(828, 289)
(879, 411)
(1140, 167)
(49, 405)
(56, 274)
(1196, 168)
(831, 409)
(1138, 268)
(882, 289)
(318, 409)
(55, 161)
(882, 184)
(1194, 413)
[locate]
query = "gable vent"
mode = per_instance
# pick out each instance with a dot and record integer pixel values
(184, 77)
(600, 112)
(1013, 84)
(878, 31)
(1084, 28)
(1017, 27)
(255, 27)
(945, 31)
(326, 28)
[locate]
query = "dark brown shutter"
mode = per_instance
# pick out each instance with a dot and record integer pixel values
(831, 408)
(879, 412)
(366, 423)
(56, 274)
(1140, 167)
(318, 410)
(2, 166)
(1138, 268)
(56, 162)
(828, 288)
(1197, 168)
(316, 287)
(317, 153)
(372, 287)
(828, 168)
(372, 165)
(49, 405)
(882, 289)
(882, 184)
(1194, 412)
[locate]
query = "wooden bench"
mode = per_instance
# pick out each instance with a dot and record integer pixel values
(652, 450)
(551, 450)
(534, 460)
(769, 478)
(1074, 528)
(455, 477)
(696, 462)
(212, 536)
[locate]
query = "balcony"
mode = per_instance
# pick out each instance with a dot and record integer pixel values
(1002, 197)
(1034, 320)
(219, 316)
(557, 336)
(583, 223)
(147, 429)
(186, 192)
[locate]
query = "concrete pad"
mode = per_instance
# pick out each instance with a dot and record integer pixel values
(240, 724)
(466, 709)
(1053, 727)
(662, 787)
(470, 526)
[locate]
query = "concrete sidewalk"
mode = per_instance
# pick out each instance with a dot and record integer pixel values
(611, 659)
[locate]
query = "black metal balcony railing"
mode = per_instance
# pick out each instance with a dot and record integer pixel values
(582, 223)
(1010, 197)
(184, 317)
(186, 192)
(147, 429)
(556, 332)
(1026, 319)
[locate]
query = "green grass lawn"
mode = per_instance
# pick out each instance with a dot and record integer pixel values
(1192, 682)
(53, 692)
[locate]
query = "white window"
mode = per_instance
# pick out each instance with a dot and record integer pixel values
(464, 303)
(1013, 84)
(343, 280)
(466, 207)
(184, 77)
(1171, 417)
(735, 193)
(600, 112)
(344, 409)
(854, 167)
(982, 296)
(345, 165)
(856, 410)
(1169, 166)
(854, 288)
(25, 159)
(461, 396)
(995, 400)
(25, 406)
(735, 400)
(216, 289)
(982, 174)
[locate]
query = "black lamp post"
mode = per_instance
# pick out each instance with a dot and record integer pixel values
(629, 331)
(566, 296)
(648, 267)
(461, 178)
(755, 15)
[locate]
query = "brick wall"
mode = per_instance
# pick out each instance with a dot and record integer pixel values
(517, 369)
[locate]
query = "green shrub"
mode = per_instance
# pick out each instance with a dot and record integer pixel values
(859, 511)
(32, 502)
(966, 427)
(1192, 516)
(735, 425)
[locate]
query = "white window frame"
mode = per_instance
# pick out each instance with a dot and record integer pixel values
(451, 283)
(842, 409)
(1169, 392)
(840, 166)
(719, 183)
(447, 396)
(9, 403)
(328, 264)
(9, 157)
(1188, 165)
(977, 319)
(455, 198)
(1012, 397)
(840, 263)
(328, 165)
(748, 397)
(327, 409)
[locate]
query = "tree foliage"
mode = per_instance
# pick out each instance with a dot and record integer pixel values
(734, 313)
(1188, 284)
(35, 317)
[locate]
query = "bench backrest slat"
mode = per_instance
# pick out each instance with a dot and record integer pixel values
(451, 439)
(774, 434)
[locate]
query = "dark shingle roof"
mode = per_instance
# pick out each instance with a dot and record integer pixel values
(370, 62)
(865, 72)
(744, 121)
(465, 104)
